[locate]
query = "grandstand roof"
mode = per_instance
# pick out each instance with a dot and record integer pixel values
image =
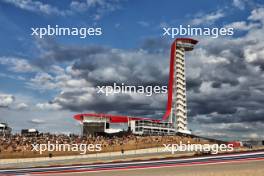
(112, 118)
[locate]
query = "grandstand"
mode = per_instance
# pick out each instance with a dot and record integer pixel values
(20, 146)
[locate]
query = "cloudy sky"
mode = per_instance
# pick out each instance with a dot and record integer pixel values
(44, 82)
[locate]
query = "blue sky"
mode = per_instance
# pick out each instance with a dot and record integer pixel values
(36, 75)
(131, 17)
(125, 27)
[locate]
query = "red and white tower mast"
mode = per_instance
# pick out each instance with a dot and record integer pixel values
(177, 106)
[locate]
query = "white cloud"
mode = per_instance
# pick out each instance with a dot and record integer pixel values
(37, 121)
(73, 83)
(254, 53)
(78, 6)
(10, 76)
(242, 25)
(6, 100)
(42, 81)
(21, 106)
(207, 18)
(63, 80)
(17, 64)
(48, 106)
(143, 23)
(56, 70)
(99, 6)
(239, 4)
(108, 74)
(257, 14)
(37, 6)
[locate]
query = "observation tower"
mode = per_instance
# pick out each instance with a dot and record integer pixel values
(177, 101)
(175, 118)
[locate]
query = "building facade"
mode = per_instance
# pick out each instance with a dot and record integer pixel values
(5, 130)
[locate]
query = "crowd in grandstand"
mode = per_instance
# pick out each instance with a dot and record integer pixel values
(21, 143)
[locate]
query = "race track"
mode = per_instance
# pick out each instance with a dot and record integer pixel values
(147, 165)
